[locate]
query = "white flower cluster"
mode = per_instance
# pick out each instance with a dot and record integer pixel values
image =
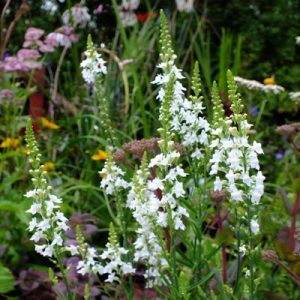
(112, 178)
(257, 86)
(49, 6)
(145, 206)
(186, 116)
(295, 96)
(115, 265)
(298, 40)
(80, 16)
(48, 222)
(92, 66)
(152, 202)
(185, 5)
(171, 188)
(90, 261)
(109, 262)
(235, 164)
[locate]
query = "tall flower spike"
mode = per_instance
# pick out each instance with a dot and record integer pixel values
(145, 206)
(112, 176)
(48, 223)
(165, 115)
(234, 160)
(93, 66)
(196, 84)
(114, 256)
(237, 105)
(167, 51)
(219, 118)
(185, 116)
(93, 69)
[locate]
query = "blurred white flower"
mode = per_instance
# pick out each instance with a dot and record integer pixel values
(257, 86)
(80, 16)
(130, 4)
(49, 6)
(128, 18)
(185, 5)
(254, 226)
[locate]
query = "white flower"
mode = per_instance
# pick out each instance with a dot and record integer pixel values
(32, 224)
(130, 4)
(247, 273)
(155, 184)
(114, 263)
(57, 239)
(82, 268)
(80, 16)
(128, 17)
(92, 66)
(185, 5)
(35, 208)
(55, 199)
(49, 6)
(32, 193)
(73, 249)
(112, 180)
(47, 230)
(255, 85)
(295, 96)
(254, 226)
(273, 88)
(44, 225)
(37, 236)
(230, 177)
(178, 189)
(242, 250)
(218, 184)
(60, 38)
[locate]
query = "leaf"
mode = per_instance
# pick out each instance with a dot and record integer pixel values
(7, 280)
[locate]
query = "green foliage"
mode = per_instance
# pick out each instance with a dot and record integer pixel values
(256, 40)
(7, 280)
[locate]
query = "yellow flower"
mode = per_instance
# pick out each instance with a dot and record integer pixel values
(269, 80)
(48, 124)
(11, 143)
(99, 155)
(49, 166)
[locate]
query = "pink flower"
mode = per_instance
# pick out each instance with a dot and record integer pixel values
(67, 30)
(12, 64)
(33, 34)
(99, 9)
(28, 54)
(31, 65)
(23, 62)
(63, 36)
(74, 37)
(6, 94)
(46, 48)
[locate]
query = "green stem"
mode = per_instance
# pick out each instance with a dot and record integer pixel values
(174, 288)
(251, 285)
(64, 275)
(236, 285)
(261, 111)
